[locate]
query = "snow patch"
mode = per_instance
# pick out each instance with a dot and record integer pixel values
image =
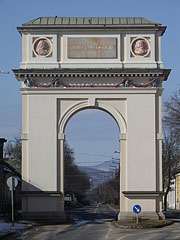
(6, 228)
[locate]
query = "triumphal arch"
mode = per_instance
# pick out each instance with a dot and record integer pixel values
(72, 64)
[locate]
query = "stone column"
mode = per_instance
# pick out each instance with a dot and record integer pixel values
(25, 142)
(60, 168)
(159, 153)
(123, 174)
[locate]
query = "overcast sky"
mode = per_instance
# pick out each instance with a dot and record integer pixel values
(91, 132)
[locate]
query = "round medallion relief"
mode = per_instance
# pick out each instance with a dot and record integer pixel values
(140, 47)
(42, 47)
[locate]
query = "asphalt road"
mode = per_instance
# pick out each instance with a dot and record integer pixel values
(167, 233)
(94, 213)
(94, 223)
(91, 223)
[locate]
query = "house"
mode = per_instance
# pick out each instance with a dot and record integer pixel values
(6, 171)
(177, 179)
(174, 193)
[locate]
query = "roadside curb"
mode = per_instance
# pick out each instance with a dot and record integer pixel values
(144, 225)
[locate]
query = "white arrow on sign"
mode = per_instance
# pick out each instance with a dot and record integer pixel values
(137, 209)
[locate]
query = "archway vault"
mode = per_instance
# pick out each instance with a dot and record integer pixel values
(117, 116)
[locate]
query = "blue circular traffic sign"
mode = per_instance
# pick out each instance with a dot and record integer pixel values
(137, 209)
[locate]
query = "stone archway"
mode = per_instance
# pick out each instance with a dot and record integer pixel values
(70, 64)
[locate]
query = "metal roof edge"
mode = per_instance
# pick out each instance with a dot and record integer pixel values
(56, 28)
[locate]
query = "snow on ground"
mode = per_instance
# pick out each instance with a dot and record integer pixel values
(6, 228)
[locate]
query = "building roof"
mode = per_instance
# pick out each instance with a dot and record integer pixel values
(5, 164)
(89, 21)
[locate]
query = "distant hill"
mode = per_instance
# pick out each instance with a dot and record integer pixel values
(105, 166)
(97, 176)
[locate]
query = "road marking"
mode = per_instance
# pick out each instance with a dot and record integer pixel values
(95, 211)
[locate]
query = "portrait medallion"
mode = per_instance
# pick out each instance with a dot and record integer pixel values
(42, 47)
(140, 47)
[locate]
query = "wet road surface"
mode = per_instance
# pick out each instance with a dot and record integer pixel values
(94, 223)
(90, 223)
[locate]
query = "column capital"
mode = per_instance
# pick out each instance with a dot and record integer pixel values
(61, 136)
(24, 136)
(123, 136)
(159, 136)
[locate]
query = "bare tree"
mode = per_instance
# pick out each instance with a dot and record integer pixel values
(107, 192)
(76, 181)
(171, 161)
(13, 152)
(171, 142)
(172, 114)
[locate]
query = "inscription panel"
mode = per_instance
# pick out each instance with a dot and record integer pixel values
(92, 47)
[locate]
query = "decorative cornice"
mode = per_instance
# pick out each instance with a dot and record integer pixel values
(81, 78)
(91, 73)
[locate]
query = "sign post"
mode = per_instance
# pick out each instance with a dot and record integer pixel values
(137, 210)
(12, 183)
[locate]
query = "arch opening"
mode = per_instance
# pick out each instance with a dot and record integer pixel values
(93, 137)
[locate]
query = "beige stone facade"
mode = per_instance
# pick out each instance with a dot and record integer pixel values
(67, 68)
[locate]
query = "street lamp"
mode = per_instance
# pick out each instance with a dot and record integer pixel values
(4, 72)
(116, 152)
(115, 159)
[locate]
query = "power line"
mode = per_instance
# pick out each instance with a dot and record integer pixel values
(100, 161)
(96, 155)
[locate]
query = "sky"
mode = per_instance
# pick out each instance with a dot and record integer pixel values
(90, 132)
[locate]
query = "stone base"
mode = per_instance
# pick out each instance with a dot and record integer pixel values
(43, 205)
(143, 215)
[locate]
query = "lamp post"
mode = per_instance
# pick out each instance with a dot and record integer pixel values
(113, 170)
(116, 161)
